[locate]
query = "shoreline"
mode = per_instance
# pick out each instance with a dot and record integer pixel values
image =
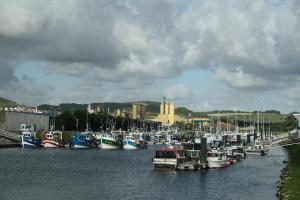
(288, 185)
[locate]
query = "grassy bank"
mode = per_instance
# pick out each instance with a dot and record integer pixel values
(290, 178)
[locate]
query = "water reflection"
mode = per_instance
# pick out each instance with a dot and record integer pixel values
(98, 174)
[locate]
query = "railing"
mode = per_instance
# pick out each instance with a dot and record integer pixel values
(9, 135)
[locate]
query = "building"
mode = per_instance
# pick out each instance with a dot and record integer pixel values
(120, 113)
(12, 121)
(139, 111)
(201, 122)
(298, 127)
(167, 113)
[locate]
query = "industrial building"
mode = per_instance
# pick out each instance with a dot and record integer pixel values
(167, 113)
(12, 121)
(139, 111)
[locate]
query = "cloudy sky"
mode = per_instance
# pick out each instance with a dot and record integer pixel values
(204, 55)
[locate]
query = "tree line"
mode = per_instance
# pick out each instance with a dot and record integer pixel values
(78, 120)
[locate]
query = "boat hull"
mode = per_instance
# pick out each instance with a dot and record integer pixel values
(77, 146)
(217, 164)
(130, 145)
(161, 164)
(260, 153)
(109, 144)
(50, 144)
(27, 142)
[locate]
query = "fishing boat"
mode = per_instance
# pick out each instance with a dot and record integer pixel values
(236, 152)
(83, 140)
(256, 149)
(169, 158)
(109, 141)
(131, 143)
(29, 140)
(216, 159)
(53, 139)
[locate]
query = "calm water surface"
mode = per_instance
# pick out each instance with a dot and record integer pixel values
(103, 174)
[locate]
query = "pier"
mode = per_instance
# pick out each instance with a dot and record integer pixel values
(9, 139)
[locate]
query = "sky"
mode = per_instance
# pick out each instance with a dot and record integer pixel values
(204, 55)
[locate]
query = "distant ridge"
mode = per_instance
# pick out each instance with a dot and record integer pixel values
(153, 106)
(7, 103)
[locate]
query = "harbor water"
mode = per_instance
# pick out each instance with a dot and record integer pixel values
(35, 174)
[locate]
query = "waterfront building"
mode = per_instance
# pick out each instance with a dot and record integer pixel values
(167, 113)
(139, 111)
(298, 127)
(13, 121)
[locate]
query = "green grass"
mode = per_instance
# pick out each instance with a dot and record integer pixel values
(279, 132)
(291, 182)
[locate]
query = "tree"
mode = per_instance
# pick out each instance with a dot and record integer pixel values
(66, 121)
(290, 122)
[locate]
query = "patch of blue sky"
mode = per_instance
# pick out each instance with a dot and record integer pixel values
(196, 79)
(37, 72)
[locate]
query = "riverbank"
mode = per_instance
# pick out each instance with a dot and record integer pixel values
(290, 177)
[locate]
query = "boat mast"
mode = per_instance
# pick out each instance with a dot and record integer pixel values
(227, 124)
(87, 118)
(257, 122)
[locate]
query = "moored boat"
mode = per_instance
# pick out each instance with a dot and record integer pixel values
(216, 159)
(29, 140)
(236, 152)
(256, 149)
(53, 139)
(168, 158)
(109, 141)
(131, 143)
(83, 140)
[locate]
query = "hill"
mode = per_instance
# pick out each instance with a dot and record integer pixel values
(7, 103)
(153, 107)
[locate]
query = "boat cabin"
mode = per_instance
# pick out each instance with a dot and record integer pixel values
(215, 154)
(168, 158)
(49, 136)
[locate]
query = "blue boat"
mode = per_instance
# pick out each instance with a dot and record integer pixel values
(83, 140)
(130, 142)
(29, 140)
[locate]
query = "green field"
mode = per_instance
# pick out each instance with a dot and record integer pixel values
(272, 117)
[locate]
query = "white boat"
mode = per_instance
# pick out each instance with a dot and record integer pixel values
(237, 152)
(52, 139)
(216, 159)
(256, 149)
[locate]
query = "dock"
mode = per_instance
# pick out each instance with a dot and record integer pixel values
(9, 139)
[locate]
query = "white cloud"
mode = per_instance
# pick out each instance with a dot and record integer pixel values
(176, 92)
(249, 44)
(239, 79)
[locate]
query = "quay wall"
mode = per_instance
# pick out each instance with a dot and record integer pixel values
(5, 143)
